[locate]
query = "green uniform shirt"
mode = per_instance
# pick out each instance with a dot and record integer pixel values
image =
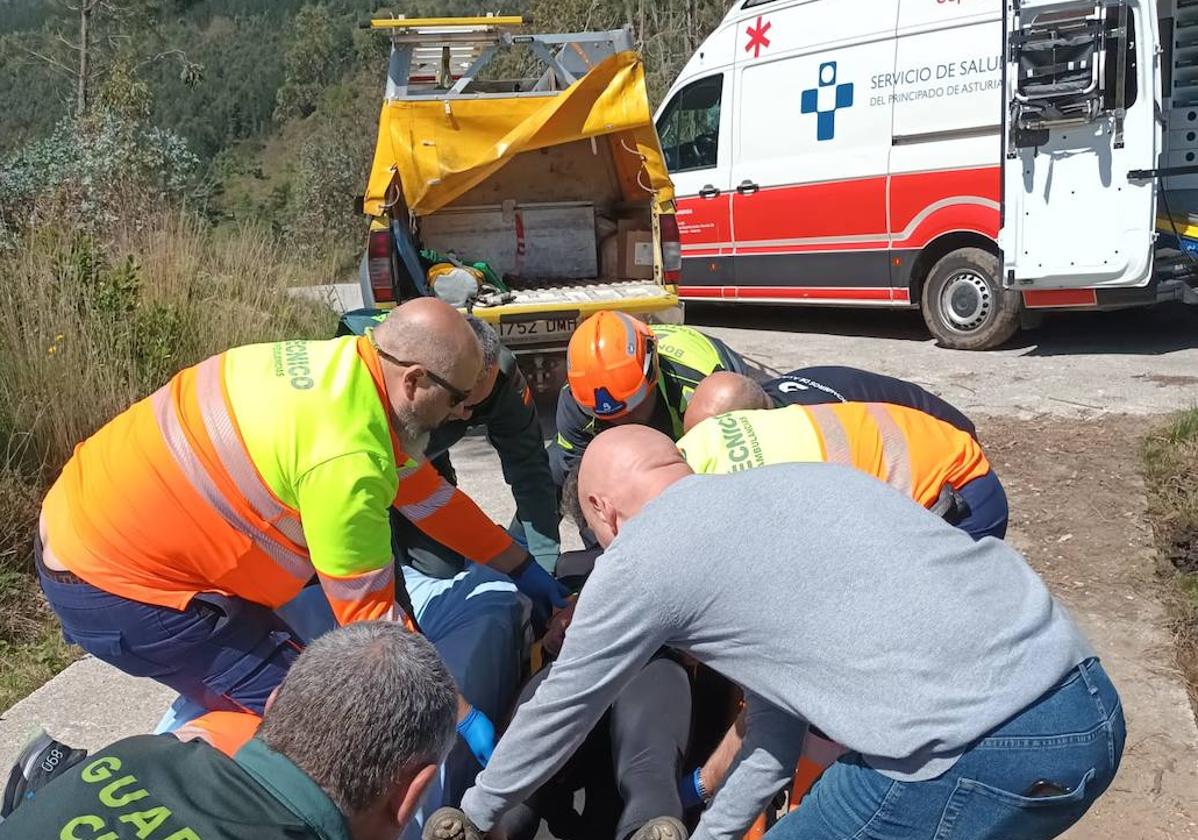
(509, 415)
(154, 787)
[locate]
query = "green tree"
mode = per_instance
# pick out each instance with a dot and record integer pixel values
(315, 57)
(84, 39)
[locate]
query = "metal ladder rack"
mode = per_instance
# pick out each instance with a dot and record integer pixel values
(443, 57)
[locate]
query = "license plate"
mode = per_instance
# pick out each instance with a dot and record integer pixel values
(534, 332)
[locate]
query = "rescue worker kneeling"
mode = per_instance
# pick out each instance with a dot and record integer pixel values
(346, 748)
(927, 459)
(175, 531)
(621, 372)
(942, 663)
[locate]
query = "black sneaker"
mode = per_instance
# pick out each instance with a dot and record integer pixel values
(449, 824)
(42, 761)
(661, 828)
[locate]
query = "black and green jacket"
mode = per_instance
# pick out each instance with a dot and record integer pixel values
(686, 357)
(509, 415)
(155, 787)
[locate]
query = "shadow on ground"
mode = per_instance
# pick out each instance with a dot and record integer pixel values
(1147, 332)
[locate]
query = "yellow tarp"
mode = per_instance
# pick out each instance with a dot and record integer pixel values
(440, 147)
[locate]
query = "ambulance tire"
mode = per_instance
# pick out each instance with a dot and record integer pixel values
(964, 303)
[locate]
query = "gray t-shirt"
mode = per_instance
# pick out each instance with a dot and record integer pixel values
(830, 598)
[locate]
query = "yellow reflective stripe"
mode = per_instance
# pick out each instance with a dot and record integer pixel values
(430, 504)
(357, 587)
(191, 732)
(895, 455)
(296, 565)
(330, 400)
(563, 443)
(399, 615)
(408, 468)
(236, 461)
(687, 346)
(836, 440)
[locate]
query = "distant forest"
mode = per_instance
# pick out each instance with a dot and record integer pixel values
(277, 99)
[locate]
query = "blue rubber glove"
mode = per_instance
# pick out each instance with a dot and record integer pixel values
(690, 790)
(478, 732)
(542, 589)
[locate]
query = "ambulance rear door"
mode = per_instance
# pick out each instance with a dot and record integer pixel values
(1080, 131)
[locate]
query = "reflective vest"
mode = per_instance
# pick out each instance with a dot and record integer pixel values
(911, 451)
(687, 357)
(248, 474)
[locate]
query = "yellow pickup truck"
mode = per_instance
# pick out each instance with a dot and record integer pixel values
(554, 183)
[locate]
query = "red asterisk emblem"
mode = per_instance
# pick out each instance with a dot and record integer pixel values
(757, 40)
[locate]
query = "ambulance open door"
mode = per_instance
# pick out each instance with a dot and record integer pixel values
(1080, 131)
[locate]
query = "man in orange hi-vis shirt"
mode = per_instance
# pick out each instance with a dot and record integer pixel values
(175, 531)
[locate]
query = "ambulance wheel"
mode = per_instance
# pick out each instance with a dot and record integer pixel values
(964, 303)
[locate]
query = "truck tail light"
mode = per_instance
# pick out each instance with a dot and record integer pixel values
(671, 248)
(378, 256)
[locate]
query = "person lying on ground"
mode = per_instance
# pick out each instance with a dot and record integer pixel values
(957, 683)
(628, 766)
(347, 745)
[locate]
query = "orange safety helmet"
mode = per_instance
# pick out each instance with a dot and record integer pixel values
(611, 364)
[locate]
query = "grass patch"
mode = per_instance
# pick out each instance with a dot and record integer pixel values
(31, 646)
(88, 327)
(1171, 473)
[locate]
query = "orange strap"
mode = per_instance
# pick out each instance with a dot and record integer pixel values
(449, 516)
(819, 754)
(226, 731)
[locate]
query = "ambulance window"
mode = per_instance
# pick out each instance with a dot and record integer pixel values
(690, 126)
(752, 4)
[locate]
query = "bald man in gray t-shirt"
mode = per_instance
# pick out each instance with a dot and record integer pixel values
(835, 600)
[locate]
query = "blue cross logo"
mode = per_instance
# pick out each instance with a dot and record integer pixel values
(826, 99)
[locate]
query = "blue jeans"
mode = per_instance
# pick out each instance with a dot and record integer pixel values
(222, 653)
(475, 620)
(1072, 737)
(987, 507)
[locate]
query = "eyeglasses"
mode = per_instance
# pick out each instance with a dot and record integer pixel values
(456, 395)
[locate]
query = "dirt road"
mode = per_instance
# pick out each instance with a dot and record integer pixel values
(1077, 507)
(1061, 413)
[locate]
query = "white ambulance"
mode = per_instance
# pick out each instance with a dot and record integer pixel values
(974, 158)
